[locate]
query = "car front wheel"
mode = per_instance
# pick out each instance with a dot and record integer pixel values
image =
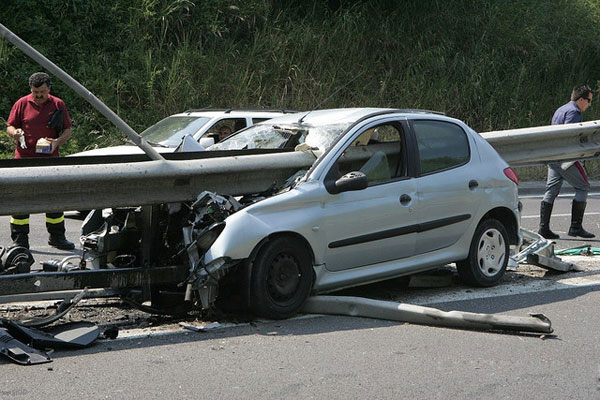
(281, 278)
(488, 255)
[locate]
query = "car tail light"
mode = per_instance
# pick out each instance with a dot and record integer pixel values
(511, 174)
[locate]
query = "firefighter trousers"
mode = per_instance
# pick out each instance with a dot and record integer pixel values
(19, 224)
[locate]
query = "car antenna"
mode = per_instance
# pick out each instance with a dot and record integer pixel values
(330, 96)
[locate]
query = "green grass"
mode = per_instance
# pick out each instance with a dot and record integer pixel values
(494, 64)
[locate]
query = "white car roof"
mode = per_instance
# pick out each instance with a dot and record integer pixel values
(241, 113)
(340, 115)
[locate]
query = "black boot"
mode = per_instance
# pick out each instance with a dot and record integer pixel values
(21, 240)
(576, 228)
(60, 242)
(545, 213)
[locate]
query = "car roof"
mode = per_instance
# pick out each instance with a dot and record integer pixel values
(343, 115)
(234, 112)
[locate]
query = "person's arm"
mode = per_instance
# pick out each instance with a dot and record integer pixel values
(64, 136)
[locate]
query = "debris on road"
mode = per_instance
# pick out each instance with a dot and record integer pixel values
(540, 252)
(199, 327)
(388, 310)
(28, 346)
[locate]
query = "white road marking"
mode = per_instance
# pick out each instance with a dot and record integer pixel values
(541, 194)
(556, 215)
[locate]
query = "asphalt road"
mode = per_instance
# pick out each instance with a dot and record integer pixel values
(343, 357)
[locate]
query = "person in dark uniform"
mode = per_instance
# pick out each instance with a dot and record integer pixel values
(40, 124)
(573, 172)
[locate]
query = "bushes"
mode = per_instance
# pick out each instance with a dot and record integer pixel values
(149, 58)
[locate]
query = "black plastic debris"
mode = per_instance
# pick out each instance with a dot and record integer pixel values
(19, 352)
(21, 343)
(70, 335)
(111, 332)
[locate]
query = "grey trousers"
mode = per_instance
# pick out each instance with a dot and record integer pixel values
(575, 175)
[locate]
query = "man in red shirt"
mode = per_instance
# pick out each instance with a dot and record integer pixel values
(36, 116)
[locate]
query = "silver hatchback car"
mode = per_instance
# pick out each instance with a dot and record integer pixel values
(392, 192)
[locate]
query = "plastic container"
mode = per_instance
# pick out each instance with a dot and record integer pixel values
(43, 146)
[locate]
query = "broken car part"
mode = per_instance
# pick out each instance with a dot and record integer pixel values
(540, 252)
(77, 335)
(19, 352)
(388, 310)
(15, 260)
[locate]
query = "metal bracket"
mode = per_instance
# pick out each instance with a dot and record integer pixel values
(541, 253)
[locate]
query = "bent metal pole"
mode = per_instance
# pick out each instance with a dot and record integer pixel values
(86, 94)
(392, 311)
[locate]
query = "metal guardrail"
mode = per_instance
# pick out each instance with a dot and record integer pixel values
(82, 187)
(542, 144)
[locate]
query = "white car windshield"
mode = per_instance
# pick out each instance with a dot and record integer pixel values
(169, 131)
(273, 136)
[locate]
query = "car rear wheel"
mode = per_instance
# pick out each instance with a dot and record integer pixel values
(488, 255)
(281, 278)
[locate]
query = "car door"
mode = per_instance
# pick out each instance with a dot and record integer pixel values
(448, 190)
(375, 224)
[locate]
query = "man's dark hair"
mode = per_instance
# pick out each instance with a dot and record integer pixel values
(37, 79)
(579, 92)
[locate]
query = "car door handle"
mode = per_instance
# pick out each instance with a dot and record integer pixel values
(473, 184)
(405, 199)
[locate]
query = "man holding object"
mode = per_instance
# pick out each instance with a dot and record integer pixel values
(40, 124)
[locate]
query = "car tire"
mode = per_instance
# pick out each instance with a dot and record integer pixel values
(281, 278)
(488, 255)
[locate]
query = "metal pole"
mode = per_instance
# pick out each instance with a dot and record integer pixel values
(389, 310)
(86, 94)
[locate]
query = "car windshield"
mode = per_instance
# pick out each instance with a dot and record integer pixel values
(169, 131)
(273, 136)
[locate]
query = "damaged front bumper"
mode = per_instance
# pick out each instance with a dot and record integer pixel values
(145, 254)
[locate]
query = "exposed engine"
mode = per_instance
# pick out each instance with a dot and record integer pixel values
(183, 232)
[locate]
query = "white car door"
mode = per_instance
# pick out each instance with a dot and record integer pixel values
(375, 224)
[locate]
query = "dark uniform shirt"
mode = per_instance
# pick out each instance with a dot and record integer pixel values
(567, 114)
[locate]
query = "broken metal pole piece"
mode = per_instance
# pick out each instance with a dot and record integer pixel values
(389, 310)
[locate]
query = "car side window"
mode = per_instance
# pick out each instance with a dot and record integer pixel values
(442, 145)
(234, 124)
(377, 152)
(225, 127)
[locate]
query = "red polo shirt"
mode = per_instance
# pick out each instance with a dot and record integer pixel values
(33, 119)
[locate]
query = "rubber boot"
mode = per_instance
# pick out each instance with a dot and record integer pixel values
(20, 239)
(59, 241)
(576, 229)
(545, 213)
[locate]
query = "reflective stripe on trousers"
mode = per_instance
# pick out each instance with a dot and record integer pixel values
(55, 223)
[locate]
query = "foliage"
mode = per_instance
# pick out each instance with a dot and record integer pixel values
(147, 59)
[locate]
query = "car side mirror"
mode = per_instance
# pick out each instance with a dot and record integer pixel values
(207, 141)
(355, 180)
